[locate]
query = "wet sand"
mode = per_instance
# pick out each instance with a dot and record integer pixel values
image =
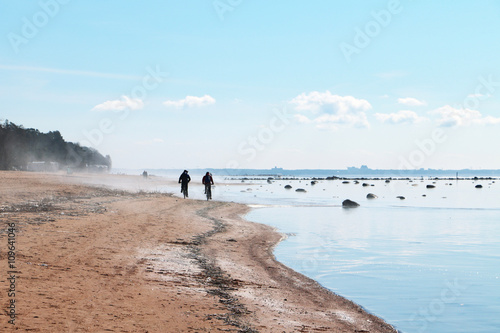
(92, 258)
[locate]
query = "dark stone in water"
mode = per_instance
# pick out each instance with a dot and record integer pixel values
(371, 196)
(431, 186)
(300, 190)
(288, 187)
(400, 197)
(479, 186)
(349, 204)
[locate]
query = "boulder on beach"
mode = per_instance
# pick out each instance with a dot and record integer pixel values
(313, 182)
(400, 197)
(365, 184)
(371, 196)
(431, 186)
(479, 186)
(288, 187)
(300, 190)
(345, 182)
(349, 204)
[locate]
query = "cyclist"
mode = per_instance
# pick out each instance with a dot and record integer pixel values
(208, 181)
(184, 179)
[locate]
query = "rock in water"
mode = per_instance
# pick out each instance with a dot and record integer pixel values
(431, 186)
(288, 187)
(479, 186)
(349, 204)
(300, 190)
(400, 197)
(371, 196)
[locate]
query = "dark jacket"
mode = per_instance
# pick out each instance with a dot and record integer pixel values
(207, 180)
(184, 178)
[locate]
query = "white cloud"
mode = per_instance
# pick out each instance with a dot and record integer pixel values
(120, 104)
(190, 101)
(400, 117)
(328, 110)
(488, 120)
(453, 117)
(410, 101)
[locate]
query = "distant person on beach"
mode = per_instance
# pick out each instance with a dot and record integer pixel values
(207, 181)
(184, 179)
(145, 174)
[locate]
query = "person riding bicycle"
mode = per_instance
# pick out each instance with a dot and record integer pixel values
(184, 179)
(207, 181)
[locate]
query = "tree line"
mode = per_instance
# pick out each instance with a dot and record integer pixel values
(19, 146)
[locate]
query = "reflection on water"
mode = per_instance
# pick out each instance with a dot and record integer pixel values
(425, 264)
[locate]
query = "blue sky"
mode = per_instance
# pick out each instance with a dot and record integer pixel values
(254, 84)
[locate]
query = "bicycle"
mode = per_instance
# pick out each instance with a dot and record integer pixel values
(184, 189)
(208, 191)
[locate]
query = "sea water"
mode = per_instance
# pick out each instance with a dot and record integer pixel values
(427, 263)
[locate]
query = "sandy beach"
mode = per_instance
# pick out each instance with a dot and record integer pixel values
(94, 258)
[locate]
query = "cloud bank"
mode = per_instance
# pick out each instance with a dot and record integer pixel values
(190, 101)
(328, 111)
(400, 117)
(453, 117)
(410, 101)
(120, 104)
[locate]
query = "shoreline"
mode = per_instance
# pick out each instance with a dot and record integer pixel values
(154, 262)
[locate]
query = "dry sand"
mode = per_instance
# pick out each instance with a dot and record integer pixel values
(93, 259)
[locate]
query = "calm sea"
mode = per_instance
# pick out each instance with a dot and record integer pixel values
(427, 263)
